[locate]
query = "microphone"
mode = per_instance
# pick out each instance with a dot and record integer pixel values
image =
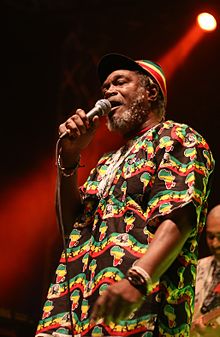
(101, 108)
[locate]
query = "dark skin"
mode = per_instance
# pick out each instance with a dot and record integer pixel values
(119, 300)
(213, 232)
(212, 329)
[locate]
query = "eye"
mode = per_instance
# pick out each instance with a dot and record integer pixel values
(212, 236)
(121, 81)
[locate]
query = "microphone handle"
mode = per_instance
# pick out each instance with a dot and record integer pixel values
(96, 111)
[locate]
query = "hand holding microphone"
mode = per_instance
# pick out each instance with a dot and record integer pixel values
(76, 133)
(101, 108)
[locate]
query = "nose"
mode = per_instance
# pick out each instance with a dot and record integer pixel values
(111, 91)
(216, 242)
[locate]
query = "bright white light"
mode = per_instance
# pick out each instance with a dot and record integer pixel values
(207, 21)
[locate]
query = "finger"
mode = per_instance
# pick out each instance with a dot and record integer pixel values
(77, 125)
(95, 122)
(129, 311)
(117, 312)
(62, 129)
(117, 309)
(91, 124)
(111, 305)
(98, 308)
(213, 325)
(131, 308)
(96, 311)
(68, 127)
(81, 113)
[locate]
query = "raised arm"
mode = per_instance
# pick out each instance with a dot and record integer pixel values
(80, 133)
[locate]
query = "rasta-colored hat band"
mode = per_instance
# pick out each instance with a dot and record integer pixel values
(157, 73)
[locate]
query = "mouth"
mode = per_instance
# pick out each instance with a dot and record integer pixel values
(216, 251)
(114, 106)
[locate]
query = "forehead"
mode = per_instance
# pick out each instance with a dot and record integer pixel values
(213, 225)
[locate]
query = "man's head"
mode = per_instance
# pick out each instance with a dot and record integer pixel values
(213, 231)
(134, 88)
(112, 62)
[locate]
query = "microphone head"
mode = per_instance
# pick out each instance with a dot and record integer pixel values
(104, 105)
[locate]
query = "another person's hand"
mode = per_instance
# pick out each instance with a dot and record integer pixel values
(212, 329)
(117, 302)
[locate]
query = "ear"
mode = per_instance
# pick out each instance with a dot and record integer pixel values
(153, 91)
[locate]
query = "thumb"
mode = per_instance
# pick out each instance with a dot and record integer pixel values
(94, 124)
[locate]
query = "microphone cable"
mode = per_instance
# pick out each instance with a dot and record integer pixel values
(61, 226)
(101, 108)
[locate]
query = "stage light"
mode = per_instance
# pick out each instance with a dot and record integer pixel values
(207, 21)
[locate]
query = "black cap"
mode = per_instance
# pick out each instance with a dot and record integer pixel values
(114, 61)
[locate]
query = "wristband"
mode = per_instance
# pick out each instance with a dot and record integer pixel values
(137, 281)
(139, 278)
(67, 171)
(143, 273)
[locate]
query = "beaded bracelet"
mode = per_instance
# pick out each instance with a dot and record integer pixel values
(139, 278)
(137, 281)
(143, 273)
(71, 169)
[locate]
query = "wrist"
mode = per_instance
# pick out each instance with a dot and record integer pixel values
(69, 159)
(68, 170)
(139, 278)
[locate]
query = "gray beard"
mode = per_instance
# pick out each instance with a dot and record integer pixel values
(132, 118)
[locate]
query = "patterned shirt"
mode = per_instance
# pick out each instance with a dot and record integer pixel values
(125, 198)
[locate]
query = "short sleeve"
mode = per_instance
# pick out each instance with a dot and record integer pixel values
(184, 165)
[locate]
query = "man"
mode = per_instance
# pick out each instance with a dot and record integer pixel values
(134, 225)
(207, 301)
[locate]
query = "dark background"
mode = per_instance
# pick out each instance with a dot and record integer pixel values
(49, 52)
